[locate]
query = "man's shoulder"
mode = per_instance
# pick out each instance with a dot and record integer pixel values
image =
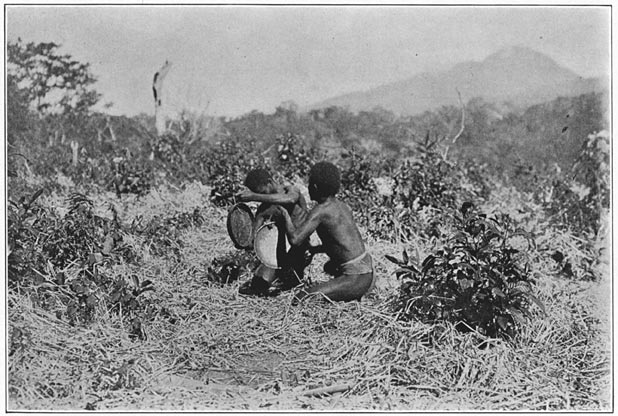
(341, 208)
(332, 207)
(297, 194)
(319, 209)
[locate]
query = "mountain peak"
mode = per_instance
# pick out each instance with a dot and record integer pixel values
(515, 74)
(515, 52)
(525, 59)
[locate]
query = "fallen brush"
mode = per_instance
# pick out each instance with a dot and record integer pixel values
(209, 348)
(279, 353)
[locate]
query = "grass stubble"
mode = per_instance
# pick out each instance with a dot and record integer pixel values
(218, 350)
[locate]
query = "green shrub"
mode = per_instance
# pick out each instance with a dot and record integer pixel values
(232, 266)
(578, 200)
(64, 259)
(293, 156)
(163, 234)
(476, 280)
(26, 220)
(130, 176)
(225, 166)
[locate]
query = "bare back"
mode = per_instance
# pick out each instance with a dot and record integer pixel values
(340, 236)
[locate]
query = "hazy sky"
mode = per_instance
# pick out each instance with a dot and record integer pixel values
(241, 58)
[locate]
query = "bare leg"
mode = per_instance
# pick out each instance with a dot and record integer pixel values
(343, 288)
(265, 273)
(260, 283)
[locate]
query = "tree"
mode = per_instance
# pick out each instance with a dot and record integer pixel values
(53, 85)
(157, 90)
(18, 115)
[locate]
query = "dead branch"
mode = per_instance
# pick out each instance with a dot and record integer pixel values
(157, 90)
(338, 388)
(108, 124)
(75, 149)
(463, 120)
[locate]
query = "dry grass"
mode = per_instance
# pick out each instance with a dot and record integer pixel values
(217, 350)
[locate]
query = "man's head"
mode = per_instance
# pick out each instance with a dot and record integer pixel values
(260, 181)
(324, 180)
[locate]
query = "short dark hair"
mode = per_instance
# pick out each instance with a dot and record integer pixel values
(326, 177)
(257, 178)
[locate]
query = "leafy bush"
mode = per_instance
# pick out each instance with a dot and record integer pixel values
(476, 280)
(386, 194)
(228, 164)
(579, 200)
(169, 149)
(163, 234)
(131, 176)
(64, 259)
(225, 166)
(231, 267)
(25, 221)
(294, 157)
(426, 181)
(125, 297)
(78, 235)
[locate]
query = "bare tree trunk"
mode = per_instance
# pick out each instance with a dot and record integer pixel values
(28, 169)
(108, 123)
(75, 148)
(157, 89)
(463, 121)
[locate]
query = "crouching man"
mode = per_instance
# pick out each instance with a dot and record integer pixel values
(341, 240)
(274, 197)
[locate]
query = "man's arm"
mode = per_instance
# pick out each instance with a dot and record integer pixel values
(290, 196)
(264, 213)
(259, 220)
(298, 234)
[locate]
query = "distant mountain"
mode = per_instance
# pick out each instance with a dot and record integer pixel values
(518, 75)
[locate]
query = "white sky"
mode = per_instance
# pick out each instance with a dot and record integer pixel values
(242, 58)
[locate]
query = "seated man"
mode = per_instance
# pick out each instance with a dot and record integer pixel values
(341, 240)
(262, 188)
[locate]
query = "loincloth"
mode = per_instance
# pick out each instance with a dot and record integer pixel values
(362, 264)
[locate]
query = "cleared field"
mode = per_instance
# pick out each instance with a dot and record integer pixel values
(213, 349)
(487, 220)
